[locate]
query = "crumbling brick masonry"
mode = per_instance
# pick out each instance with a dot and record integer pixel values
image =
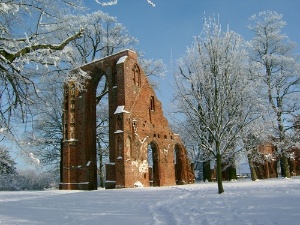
(137, 130)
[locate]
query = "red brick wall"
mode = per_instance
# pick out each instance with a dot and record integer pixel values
(131, 131)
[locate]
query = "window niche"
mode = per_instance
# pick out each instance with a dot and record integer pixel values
(120, 147)
(136, 75)
(152, 103)
(66, 111)
(129, 147)
(119, 122)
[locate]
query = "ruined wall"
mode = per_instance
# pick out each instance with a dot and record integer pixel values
(136, 123)
(267, 166)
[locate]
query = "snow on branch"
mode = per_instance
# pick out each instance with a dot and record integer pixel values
(151, 3)
(115, 2)
(12, 56)
(8, 8)
(78, 77)
(107, 3)
(35, 160)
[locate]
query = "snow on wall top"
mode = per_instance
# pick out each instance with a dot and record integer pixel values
(122, 59)
(120, 109)
(96, 60)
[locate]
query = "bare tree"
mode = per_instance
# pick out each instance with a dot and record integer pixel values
(39, 43)
(102, 139)
(214, 93)
(278, 71)
(29, 44)
(103, 36)
(7, 164)
(43, 137)
(255, 135)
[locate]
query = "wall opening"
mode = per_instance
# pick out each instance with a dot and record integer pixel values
(178, 164)
(153, 161)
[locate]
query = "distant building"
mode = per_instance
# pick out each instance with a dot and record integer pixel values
(267, 163)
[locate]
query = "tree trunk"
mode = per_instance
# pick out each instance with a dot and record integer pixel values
(232, 173)
(101, 175)
(206, 171)
(267, 170)
(284, 160)
(286, 168)
(252, 170)
(101, 171)
(61, 161)
(219, 174)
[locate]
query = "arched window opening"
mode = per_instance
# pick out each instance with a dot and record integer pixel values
(129, 147)
(119, 123)
(152, 103)
(136, 75)
(150, 156)
(153, 162)
(120, 147)
(178, 164)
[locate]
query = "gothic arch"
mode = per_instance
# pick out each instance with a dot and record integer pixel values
(78, 156)
(136, 75)
(153, 162)
(183, 172)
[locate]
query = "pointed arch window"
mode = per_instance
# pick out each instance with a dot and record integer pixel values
(120, 147)
(152, 103)
(136, 75)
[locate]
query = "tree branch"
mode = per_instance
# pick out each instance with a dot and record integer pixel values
(12, 56)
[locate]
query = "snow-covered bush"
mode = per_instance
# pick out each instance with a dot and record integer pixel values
(27, 180)
(9, 182)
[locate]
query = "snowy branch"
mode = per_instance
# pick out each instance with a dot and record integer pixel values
(12, 56)
(115, 2)
(107, 3)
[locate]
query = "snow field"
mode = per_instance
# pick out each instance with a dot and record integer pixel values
(264, 202)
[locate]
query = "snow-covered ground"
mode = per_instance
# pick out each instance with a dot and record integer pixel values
(273, 201)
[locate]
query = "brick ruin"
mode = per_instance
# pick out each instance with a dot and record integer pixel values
(137, 129)
(268, 164)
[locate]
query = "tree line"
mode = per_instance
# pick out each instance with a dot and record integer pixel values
(234, 95)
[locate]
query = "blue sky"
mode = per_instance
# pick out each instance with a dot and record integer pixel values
(165, 31)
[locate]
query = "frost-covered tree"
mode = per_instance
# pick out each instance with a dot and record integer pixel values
(278, 72)
(253, 136)
(40, 42)
(7, 164)
(213, 92)
(43, 137)
(102, 140)
(103, 36)
(29, 44)
(154, 69)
